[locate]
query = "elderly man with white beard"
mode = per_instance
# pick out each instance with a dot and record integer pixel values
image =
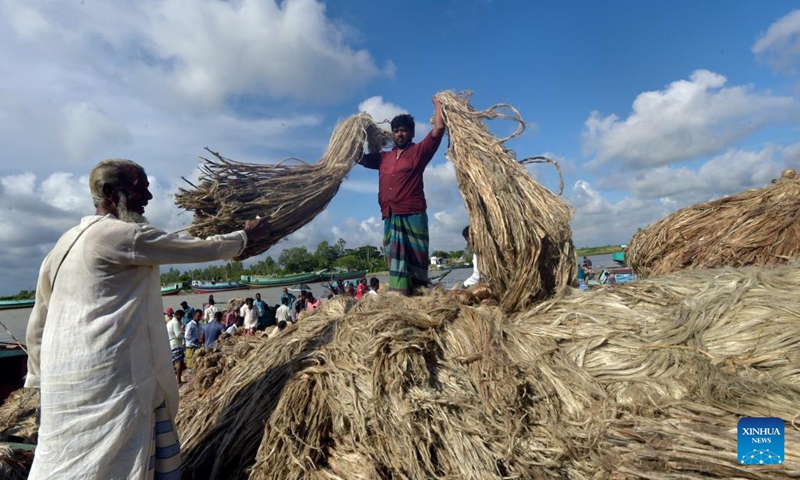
(97, 347)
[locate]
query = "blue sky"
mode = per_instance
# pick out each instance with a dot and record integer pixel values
(648, 106)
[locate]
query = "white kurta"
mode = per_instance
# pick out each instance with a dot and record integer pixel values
(98, 349)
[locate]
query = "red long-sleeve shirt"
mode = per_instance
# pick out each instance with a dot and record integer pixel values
(400, 186)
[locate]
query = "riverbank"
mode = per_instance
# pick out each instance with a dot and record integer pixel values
(16, 321)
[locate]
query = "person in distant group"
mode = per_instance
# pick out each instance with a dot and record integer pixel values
(269, 318)
(230, 317)
(238, 324)
(311, 302)
(250, 315)
(475, 278)
(374, 285)
(290, 298)
(587, 264)
(401, 195)
(168, 313)
(362, 288)
(188, 312)
(175, 336)
(278, 329)
(193, 337)
(349, 290)
(213, 330)
(261, 310)
(283, 313)
(210, 310)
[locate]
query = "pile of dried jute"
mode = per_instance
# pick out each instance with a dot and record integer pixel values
(517, 225)
(19, 416)
(641, 380)
(19, 423)
(14, 464)
(755, 227)
(290, 193)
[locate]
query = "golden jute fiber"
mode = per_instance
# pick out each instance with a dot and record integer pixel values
(291, 193)
(641, 380)
(755, 227)
(19, 423)
(519, 229)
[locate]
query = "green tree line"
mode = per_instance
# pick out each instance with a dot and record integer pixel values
(327, 256)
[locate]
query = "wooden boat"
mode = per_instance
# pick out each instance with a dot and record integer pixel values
(13, 368)
(9, 304)
(173, 289)
(259, 281)
(347, 275)
(213, 287)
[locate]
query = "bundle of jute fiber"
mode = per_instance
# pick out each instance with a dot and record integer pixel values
(15, 464)
(211, 363)
(598, 384)
(19, 424)
(19, 416)
(755, 227)
(519, 229)
(291, 193)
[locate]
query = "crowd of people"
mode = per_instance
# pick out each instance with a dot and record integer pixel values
(190, 328)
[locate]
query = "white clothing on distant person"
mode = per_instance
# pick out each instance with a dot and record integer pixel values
(275, 332)
(250, 316)
(231, 329)
(283, 313)
(372, 292)
(208, 314)
(174, 333)
(97, 350)
(192, 336)
(475, 278)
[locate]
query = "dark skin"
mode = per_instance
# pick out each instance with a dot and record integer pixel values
(403, 135)
(138, 195)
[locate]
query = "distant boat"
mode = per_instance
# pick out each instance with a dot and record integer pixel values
(260, 281)
(10, 304)
(347, 275)
(213, 287)
(173, 289)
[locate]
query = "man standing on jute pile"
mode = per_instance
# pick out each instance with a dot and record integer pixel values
(401, 196)
(97, 347)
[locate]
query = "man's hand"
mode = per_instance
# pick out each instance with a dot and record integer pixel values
(257, 229)
(438, 118)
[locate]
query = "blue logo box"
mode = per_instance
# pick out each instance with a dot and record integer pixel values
(760, 441)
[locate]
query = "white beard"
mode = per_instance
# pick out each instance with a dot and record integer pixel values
(126, 215)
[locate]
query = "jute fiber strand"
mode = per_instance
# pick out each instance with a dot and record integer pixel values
(14, 464)
(755, 227)
(519, 229)
(290, 193)
(641, 380)
(19, 423)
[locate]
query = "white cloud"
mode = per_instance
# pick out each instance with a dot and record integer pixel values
(779, 46)
(688, 119)
(382, 112)
(648, 196)
(26, 22)
(197, 55)
(87, 128)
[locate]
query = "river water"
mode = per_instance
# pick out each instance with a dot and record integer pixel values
(16, 321)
